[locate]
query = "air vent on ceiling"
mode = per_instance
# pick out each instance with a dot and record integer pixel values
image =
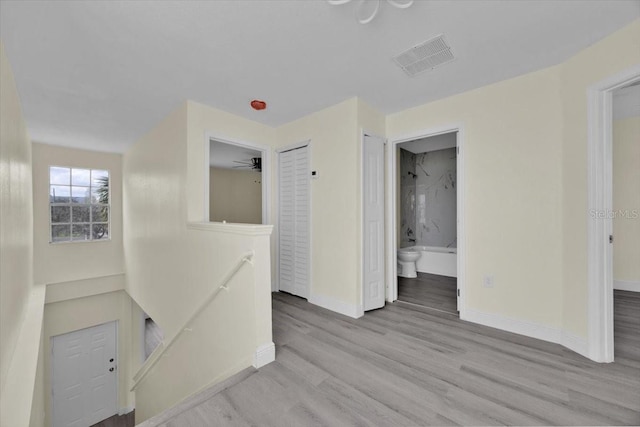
(425, 56)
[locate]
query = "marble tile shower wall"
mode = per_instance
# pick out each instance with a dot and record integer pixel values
(408, 180)
(435, 199)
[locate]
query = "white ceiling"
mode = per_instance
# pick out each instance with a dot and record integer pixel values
(99, 74)
(226, 156)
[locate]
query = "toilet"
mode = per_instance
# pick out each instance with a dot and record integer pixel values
(407, 258)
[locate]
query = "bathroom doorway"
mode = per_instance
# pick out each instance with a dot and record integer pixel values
(626, 219)
(606, 222)
(426, 205)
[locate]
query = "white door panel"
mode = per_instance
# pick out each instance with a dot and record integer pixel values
(84, 377)
(373, 221)
(294, 201)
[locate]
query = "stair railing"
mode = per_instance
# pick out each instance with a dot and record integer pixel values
(163, 348)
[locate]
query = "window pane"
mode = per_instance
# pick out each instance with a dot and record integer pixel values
(60, 176)
(81, 177)
(99, 178)
(80, 232)
(100, 231)
(80, 195)
(60, 233)
(99, 214)
(100, 195)
(81, 214)
(59, 194)
(60, 214)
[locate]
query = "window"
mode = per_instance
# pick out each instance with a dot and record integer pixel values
(79, 204)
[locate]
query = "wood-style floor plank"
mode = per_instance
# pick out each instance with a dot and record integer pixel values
(430, 290)
(405, 366)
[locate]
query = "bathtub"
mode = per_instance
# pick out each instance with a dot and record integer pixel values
(434, 260)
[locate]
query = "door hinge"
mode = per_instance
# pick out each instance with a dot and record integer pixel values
(457, 150)
(458, 292)
(610, 238)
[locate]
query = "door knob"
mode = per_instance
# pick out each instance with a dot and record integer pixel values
(111, 369)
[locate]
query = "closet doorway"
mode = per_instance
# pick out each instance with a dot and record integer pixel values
(294, 210)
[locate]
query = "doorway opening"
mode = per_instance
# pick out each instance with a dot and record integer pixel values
(237, 184)
(425, 253)
(601, 236)
(428, 222)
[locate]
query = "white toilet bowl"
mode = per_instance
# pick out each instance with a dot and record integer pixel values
(407, 258)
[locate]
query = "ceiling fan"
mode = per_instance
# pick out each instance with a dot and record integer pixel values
(255, 163)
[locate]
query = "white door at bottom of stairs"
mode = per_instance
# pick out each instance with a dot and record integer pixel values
(373, 222)
(84, 377)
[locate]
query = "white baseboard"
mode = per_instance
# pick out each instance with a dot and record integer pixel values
(575, 343)
(126, 410)
(264, 355)
(529, 329)
(352, 310)
(626, 285)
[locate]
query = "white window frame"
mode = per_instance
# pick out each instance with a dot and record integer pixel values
(71, 205)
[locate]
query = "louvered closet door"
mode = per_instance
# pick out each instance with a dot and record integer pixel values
(293, 204)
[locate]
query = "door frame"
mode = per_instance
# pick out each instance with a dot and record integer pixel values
(600, 205)
(265, 174)
(392, 278)
(276, 283)
(116, 352)
(363, 134)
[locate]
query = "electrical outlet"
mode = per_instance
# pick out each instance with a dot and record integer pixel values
(488, 281)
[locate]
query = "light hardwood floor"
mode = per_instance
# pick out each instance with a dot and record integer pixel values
(404, 365)
(430, 290)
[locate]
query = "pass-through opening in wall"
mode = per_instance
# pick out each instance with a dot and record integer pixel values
(236, 187)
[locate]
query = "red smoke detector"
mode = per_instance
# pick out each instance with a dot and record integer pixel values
(256, 104)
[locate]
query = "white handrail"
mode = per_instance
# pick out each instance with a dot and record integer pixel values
(155, 357)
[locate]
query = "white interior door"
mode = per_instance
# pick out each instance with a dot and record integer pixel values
(84, 377)
(373, 222)
(294, 211)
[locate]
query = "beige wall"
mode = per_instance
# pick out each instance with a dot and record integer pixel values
(16, 209)
(65, 262)
(203, 120)
(235, 196)
(84, 279)
(16, 254)
(335, 222)
(526, 175)
(608, 57)
(626, 199)
(513, 152)
(172, 266)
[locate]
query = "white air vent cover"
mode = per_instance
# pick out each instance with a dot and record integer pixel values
(425, 56)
